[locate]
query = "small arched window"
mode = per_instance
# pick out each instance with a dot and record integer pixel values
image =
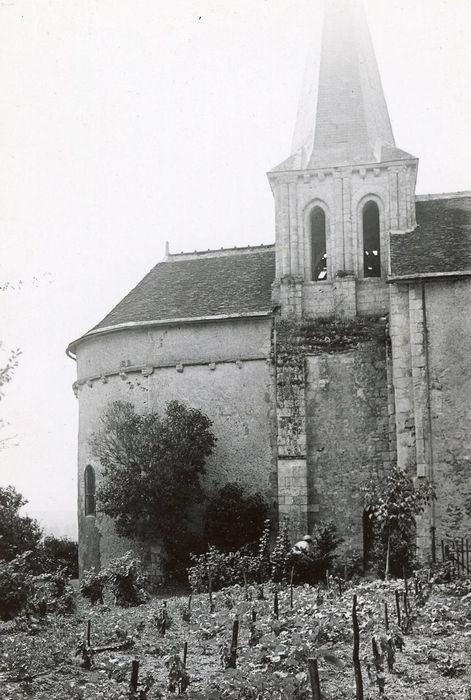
(318, 245)
(90, 505)
(371, 241)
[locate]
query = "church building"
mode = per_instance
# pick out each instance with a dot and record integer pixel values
(340, 351)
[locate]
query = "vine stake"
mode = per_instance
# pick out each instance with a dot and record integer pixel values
(356, 652)
(185, 653)
(398, 608)
(314, 678)
(291, 588)
(235, 636)
(134, 674)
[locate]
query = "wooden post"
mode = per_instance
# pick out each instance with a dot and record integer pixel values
(407, 611)
(462, 557)
(235, 635)
(210, 591)
(327, 578)
(378, 661)
(314, 678)
(467, 557)
(254, 615)
(89, 632)
(398, 608)
(275, 605)
(434, 544)
(291, 588)
(134, 674)
(356, 652)
(443, 552)
(185, 653)
(386, 617)
(189, 603)
(406, 583)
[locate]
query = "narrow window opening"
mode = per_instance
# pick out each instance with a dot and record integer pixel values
(90, 504)
(371, 241)
(318, 245)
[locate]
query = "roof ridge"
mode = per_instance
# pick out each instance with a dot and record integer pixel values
(221, 252)
(443, 195)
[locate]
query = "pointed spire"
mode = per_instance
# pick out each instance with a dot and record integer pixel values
(348, 123)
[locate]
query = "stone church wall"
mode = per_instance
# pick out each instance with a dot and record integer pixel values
(448, 305)
(348, 434)
(431, 340)
(221, 368)
(336, 427)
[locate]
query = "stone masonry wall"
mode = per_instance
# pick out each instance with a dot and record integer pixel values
(430, 334)
(342, 193)
(332, 394)
(349, 434)
(206, 367)
(447, 309)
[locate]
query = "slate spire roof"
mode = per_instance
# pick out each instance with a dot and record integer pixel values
(348, 123)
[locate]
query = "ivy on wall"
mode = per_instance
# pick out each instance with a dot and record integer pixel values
(294, 340)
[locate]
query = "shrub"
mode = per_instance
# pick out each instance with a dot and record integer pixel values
(150, 470)
(126, 580)
(326, 541)
(60, 552)
(245, 566)
(263, 551)
(234, 518)
(92, 585)
(227, 569)
(53, 593)
(16, 586)
(18, 533)
(281, 558)
(392, 506)
(176, 552)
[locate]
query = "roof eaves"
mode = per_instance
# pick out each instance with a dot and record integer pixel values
(427, 275)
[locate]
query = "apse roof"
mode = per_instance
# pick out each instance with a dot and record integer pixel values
(234, 283)
(441, 243)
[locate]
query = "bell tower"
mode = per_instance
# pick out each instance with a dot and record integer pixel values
(346, 185)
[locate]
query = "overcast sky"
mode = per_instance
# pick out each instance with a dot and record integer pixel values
(126, 123)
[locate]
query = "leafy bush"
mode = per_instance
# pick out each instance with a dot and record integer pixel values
(16, 586)
(393, 505)
(176, 552)
(92, 585)
(259, 564)
(282, 558)
(52, 593)
(326, 541)
(18, 533)
(59, 553)
(226, 569)
(151, 468)
(126, 580)
(234, 518)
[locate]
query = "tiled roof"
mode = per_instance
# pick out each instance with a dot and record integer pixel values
(441, 243)
(200, 285)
